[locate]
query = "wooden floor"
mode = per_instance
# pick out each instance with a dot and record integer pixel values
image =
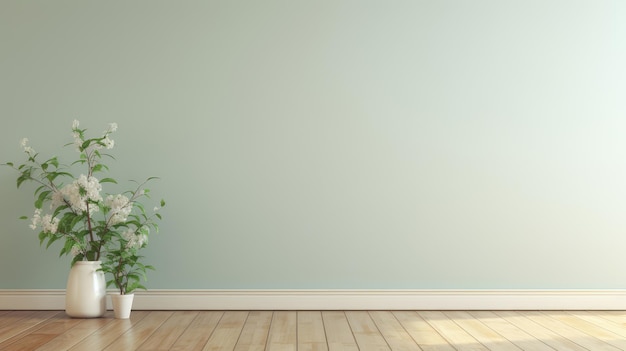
(317, 330)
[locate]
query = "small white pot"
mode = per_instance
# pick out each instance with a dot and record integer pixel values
(122, 305)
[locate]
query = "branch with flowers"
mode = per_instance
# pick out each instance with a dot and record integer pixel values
(92, 227)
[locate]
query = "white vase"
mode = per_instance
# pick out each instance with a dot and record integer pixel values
(85, 296)
(122, 305)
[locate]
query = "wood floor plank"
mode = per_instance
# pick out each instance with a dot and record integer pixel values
(582, 339)
(283, 333)
(365, 331)
(540, 332)
(23, 326)
(393, 332)
(519, 337)
(597, 319)
(254, 334)
(168, 332)
(338, 333)
(76, 334)
(427, 338)
(197, 334)
(227, 331)
(140, 331)
(311, 333)
(29, 342)
(589, 328)
(12, 317)
(485, 335)
(455, 335)
(43, 333)
(109, 333)
(618, 317)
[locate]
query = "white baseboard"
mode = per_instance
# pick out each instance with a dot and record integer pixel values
(13, 299)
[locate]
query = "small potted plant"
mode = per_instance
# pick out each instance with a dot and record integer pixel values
(122, 260)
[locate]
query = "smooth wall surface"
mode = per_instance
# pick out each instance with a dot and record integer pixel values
(335, 144)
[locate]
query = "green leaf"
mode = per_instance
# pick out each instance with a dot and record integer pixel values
(131, 287)
(53, 238)
(42, 197)
(78, 257)
(108, 180)
(21, 180)
(53, 175)
(40, 189)
(42, 237)
(140, 207)
(67, 248)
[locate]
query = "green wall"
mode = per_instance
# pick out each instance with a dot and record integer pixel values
(335, 144)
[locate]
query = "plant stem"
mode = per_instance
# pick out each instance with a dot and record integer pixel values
(120, 283)
(97, 257)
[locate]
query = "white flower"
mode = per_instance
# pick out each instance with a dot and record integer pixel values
(133, 240)
(120, 208)
(49, 224)
(75, 124)
(76, 250)
(71, 194)
(57, 200)
(36, 220)
(78, 142)
(128, 234)
(108, 143)
(91, 185)
(142, 239)
(27, 149)
(113, 127)
(155, 209)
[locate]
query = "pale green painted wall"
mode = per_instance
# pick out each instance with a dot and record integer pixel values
(336, 144)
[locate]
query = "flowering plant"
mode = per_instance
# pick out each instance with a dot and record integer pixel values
(88, 222)
(123, 261)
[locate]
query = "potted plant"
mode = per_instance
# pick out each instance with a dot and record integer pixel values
(78, 215)
(122, 261)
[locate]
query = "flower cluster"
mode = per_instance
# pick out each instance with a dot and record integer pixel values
(135, 240)
(93, 224)
(48, 223)
(78, 194)
(120, 207)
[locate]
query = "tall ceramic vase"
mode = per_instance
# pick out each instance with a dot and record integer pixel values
(85, 296)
